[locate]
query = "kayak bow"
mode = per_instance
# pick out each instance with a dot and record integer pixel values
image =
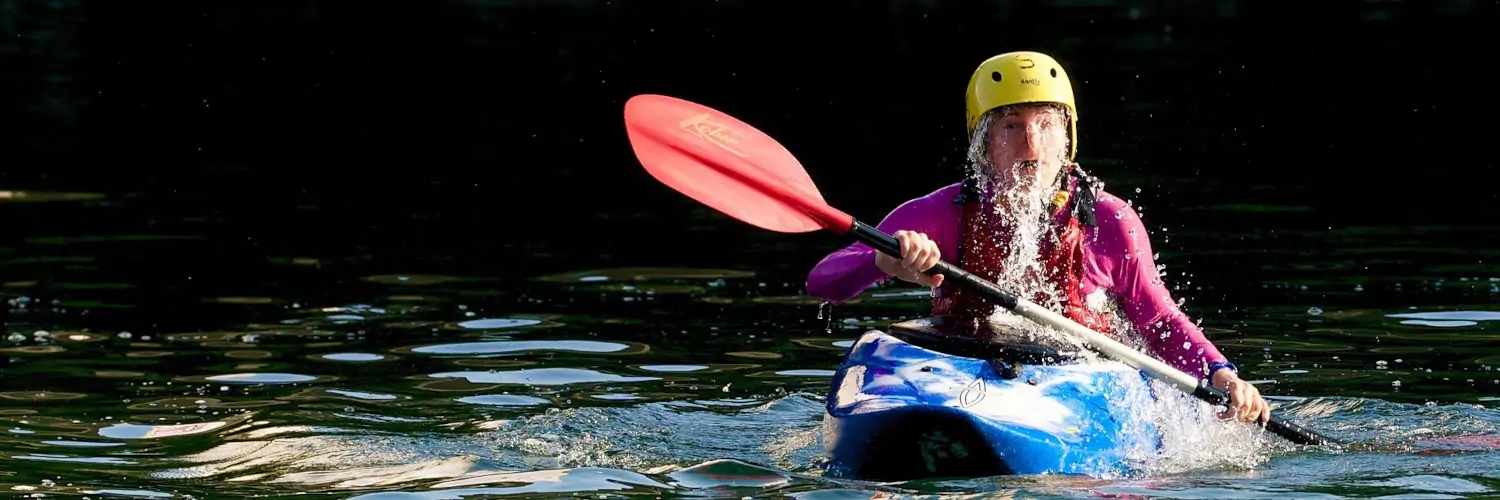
(916, 403)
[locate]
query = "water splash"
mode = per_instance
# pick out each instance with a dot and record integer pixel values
(1016, 212)
(783, 433)
(1194, 437)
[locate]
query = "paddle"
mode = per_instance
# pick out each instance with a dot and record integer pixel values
(736, 169)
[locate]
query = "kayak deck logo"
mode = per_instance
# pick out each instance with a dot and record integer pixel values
(719, 135)
(972, 394)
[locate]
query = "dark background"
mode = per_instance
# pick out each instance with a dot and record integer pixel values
(501, 120)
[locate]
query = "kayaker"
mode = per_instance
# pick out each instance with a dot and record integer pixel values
(1028, 217)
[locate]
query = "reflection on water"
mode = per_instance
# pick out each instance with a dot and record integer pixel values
(325, 373)
(542, 376)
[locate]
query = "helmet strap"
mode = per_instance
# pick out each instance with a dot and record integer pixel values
(1084, 201)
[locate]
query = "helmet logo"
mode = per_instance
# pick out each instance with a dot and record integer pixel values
(712, 132)
(1031, 81)
(1026, 62)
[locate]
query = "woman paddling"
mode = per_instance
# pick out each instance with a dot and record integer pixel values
(1026, 215)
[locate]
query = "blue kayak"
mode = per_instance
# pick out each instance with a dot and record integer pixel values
(921, 402)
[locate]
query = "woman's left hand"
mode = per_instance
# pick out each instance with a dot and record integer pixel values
(1245, 403)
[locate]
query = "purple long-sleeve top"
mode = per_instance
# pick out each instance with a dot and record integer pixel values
(1118, 259)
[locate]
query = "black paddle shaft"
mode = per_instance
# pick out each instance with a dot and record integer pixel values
(888, 245)
(1290, 431)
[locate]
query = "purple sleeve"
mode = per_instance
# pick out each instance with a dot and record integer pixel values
(1148, 303)
(845, 273)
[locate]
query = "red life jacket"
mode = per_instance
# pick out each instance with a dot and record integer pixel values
(983, 249)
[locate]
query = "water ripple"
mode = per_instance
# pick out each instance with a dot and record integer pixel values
(504, 400)
(306, 372)
(260, 378)
(542, 376)
(513, 346)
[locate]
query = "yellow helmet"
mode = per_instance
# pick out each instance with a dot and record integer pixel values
(1022, 77)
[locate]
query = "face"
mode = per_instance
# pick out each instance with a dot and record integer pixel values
(1027, 147)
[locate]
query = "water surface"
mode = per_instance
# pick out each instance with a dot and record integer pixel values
(172, 358)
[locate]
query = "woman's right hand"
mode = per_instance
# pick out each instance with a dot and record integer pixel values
(918, 254)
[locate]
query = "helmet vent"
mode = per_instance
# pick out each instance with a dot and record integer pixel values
(1054, 72)
(995, 75)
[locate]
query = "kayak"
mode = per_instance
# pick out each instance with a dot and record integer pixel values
(921, 402)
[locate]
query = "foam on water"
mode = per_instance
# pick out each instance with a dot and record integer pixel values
(783, 432)
(1194, 437)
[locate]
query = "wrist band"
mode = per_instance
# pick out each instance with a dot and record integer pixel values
(1214, 367)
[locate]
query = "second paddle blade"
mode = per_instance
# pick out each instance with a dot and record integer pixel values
(726, 164)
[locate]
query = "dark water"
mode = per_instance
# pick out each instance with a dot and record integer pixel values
(305, 369)
(405, 253)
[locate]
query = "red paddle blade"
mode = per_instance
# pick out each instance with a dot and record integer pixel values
(728, 165)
